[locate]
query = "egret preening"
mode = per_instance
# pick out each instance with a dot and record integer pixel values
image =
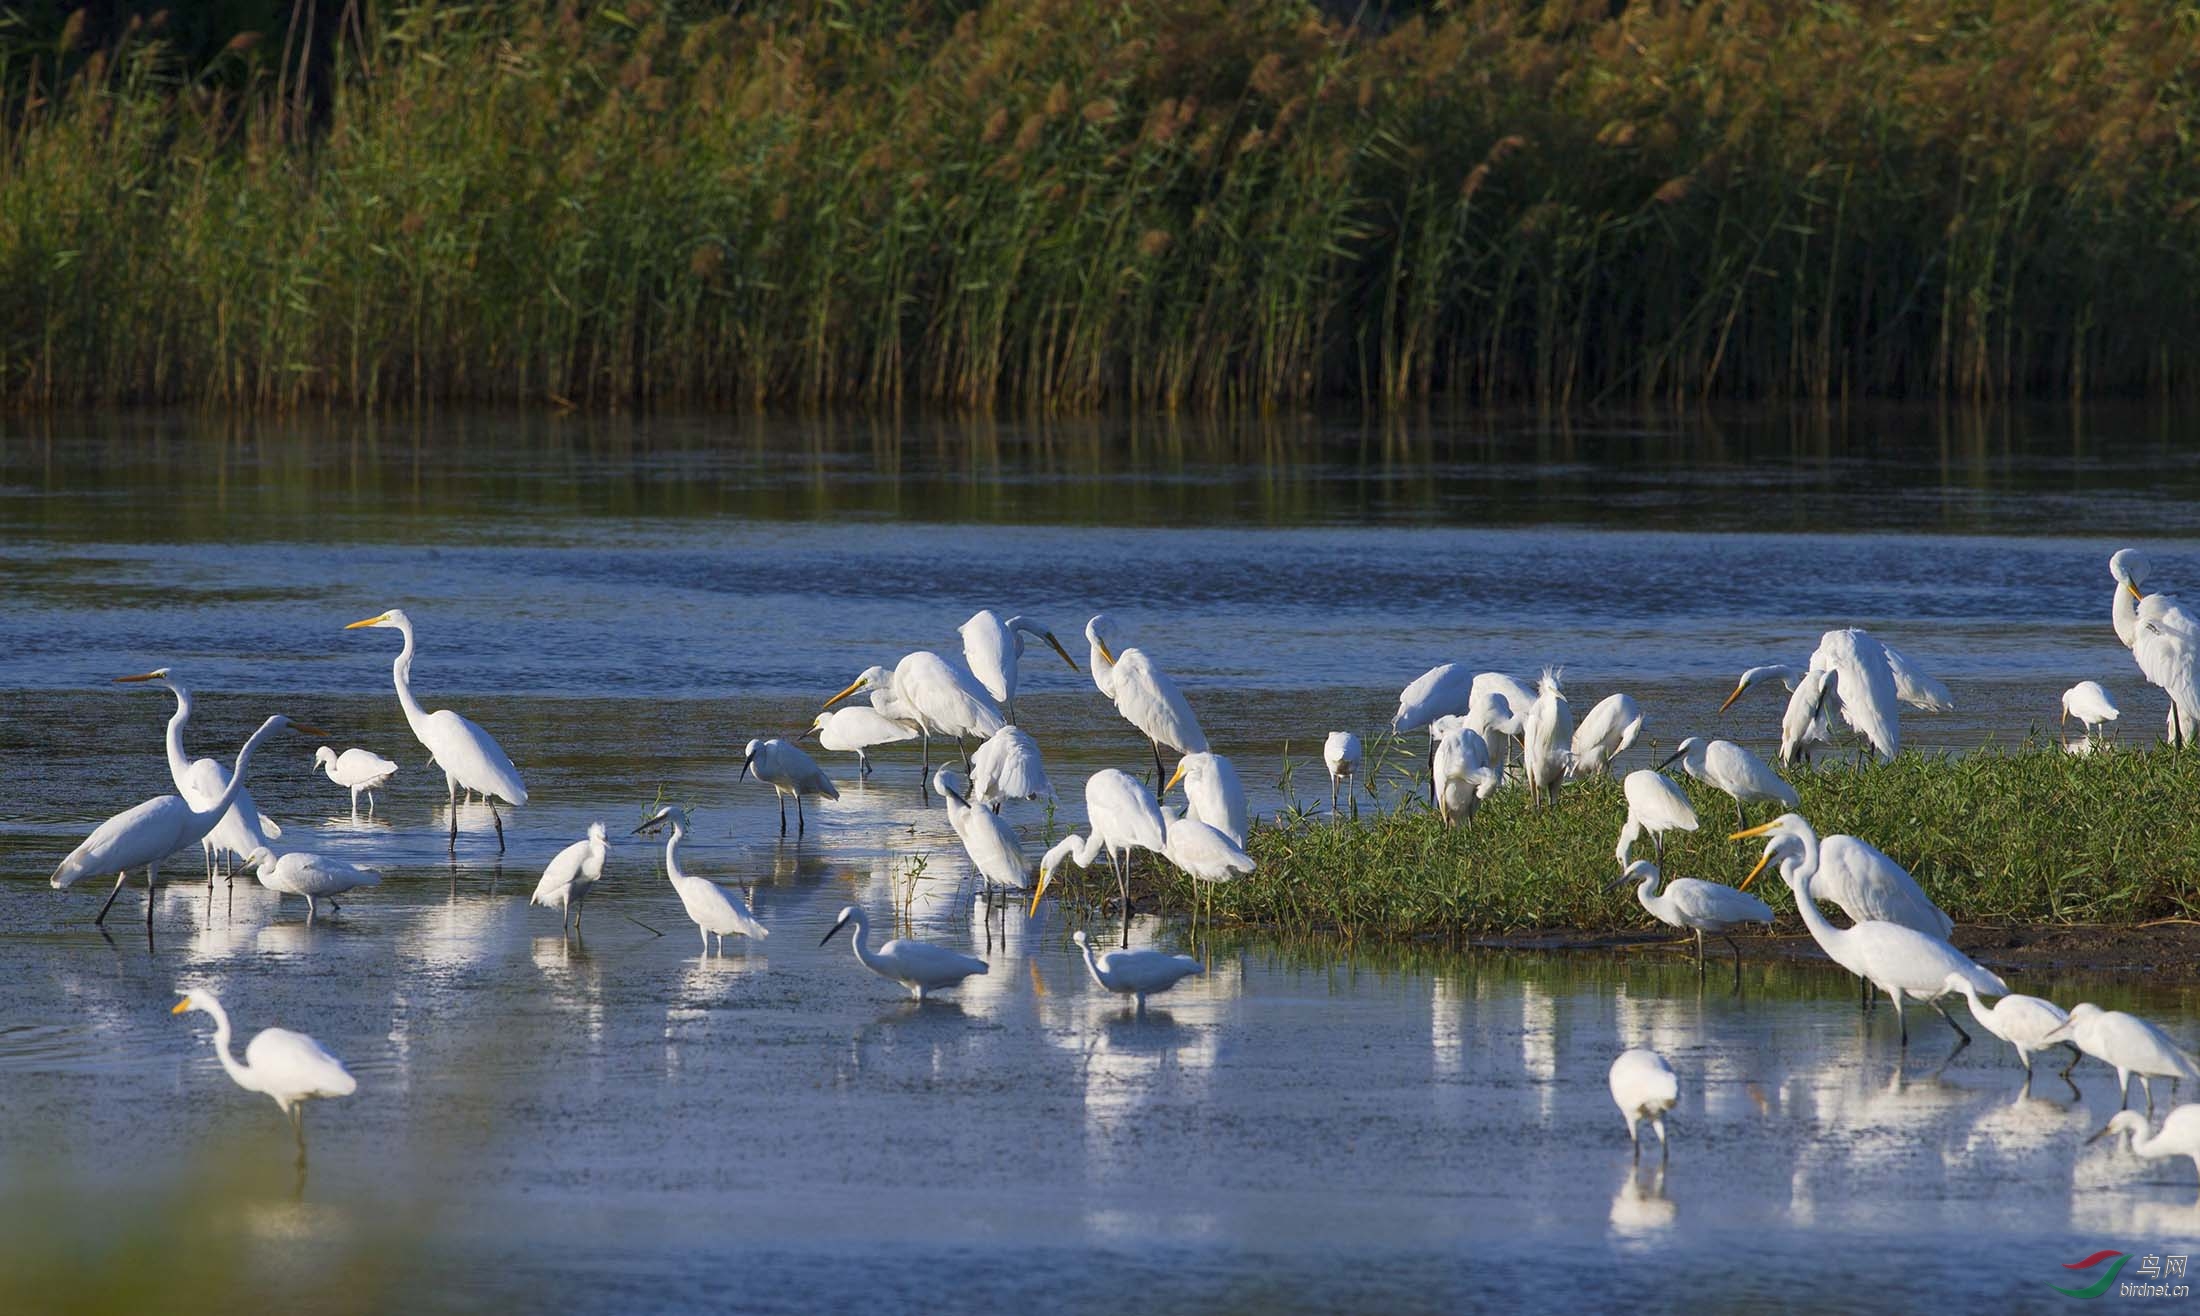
(937, 697)
(2130, 569)
(288, 1067)
(991, 843)
(1657, 805)
(143, 836)
(2166, 643)
(1205, 852)
(783, 766)
(1696, 906)
(201, 781)
(2026, 1023)
(1143, 694)
(1644, 1087)
(1121, 816)
(1605, 734)
(1913, 687)
(994, 648)
(1213, 793)
(858, 729)
(2129, 1045)
(2088, 702)
(1865, 692)
(1341, 756)
(1725, 766)
(466, 753)
(717, 912)
(918, 965)
(1899, 961)
(357, 770)
(1462, 773)
(2180, 1135)
(1806, 728)
(1007, 767)
(1435, 693)
(1546, 733)
(316, 877)
(1136, 973)
(566, 882)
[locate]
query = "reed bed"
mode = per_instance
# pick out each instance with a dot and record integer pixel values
(1058, 205)
(2027, 835)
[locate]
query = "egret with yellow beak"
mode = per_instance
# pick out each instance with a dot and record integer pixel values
(466, 753)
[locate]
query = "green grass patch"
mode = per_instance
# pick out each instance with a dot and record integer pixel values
(2026, 835)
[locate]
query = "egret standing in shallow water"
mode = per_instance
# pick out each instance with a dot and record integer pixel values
(918, 965)
(717, 912)
(357, 770)
(566, 882)
(313, 876)
(1341, 756)
(1143, 694)
(1900, 961)
(1644, 1087)
(201, 781)
(1725, 766)
(289, 1067)
(858, 729)
(466, 753)
(1008, 767)
(991, 843)
(995, 649)
(143, 836)
(2088, 702)
(2180, 1135)
(2026, 1023)
(783, 766)
(1121, 816)
(2130, 1045)
(934, 695)
(1697, 906)
(1138, 973)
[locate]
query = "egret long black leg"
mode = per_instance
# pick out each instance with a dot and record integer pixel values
(1951, 1021)
(119, 880)
(500, 823)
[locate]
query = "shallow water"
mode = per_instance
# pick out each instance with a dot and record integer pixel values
(623, 1123)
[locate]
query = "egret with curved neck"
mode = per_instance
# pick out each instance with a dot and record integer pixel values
(920, 966)
(244, 828)
(469, 756)
(288, 1067)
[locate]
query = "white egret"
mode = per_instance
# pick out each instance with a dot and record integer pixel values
(2166, 643)
(995, 648)
(2180, 1135)
(1900, 961)
(918, 965)
(783, 766)
(1865, 693)
(1727, 767)
(1499, 703)
(288, 1067)
(1858, 877)
(316, 877)
(1008, 767)
(1143, 693)
(1913, 687)
(141, 837)
(466, 753)
(1546, 731)
(1655, 804)
(2088, 702)
(1605, 734)
(1136, 973)
(934, 695)
(1213, 794)
(1806, 727)
(1463, 775)
(572, 873)
(1787, 677)
(1205, 852)
(1696, 906)
(992, 844)
(1341, 756)
(1448, 689)
(716, 911)
(201, 781)
(2130, 569)
(2129, 1045)
(356, 770)
(858, 729)
(2026, 1023)
(1644, 1087)
(1121, 816)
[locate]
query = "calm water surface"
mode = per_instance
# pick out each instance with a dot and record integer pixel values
(619, 1123)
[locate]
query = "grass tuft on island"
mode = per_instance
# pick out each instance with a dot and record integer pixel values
(2029, 835)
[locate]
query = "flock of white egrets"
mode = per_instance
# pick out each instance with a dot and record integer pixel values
(1897, 941)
